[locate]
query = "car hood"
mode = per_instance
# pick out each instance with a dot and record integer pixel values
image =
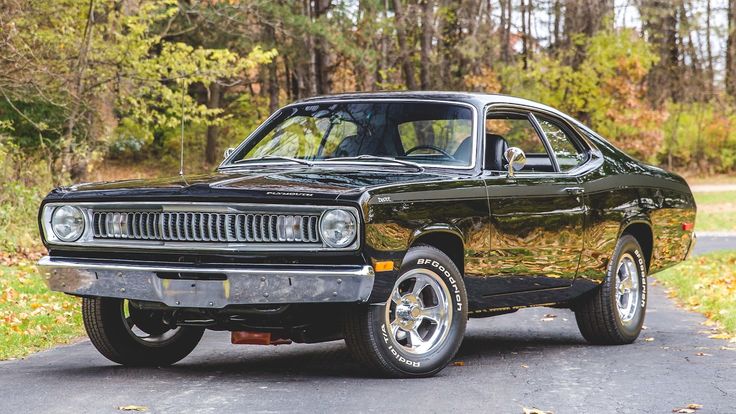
(269, 184)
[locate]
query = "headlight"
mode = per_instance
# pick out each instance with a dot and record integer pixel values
(67, 223)
(338, 228)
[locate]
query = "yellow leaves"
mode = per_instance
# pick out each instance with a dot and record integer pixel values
(707, 284)
(688, 409)
(649, 339)
(535, 411)
(31, 317)
(8, 295)
(486, 81)
(139, 408)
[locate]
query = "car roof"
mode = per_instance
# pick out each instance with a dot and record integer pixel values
(477, 98)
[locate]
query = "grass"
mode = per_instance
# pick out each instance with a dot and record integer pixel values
(707, 284)
(716, 211)
(32, 318)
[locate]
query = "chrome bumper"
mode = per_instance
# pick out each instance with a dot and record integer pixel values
(252, 285)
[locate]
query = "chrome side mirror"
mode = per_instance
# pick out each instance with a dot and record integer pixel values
(516, 159)
(229, 152)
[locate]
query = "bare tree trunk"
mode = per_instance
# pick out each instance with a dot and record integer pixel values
(213, 101)
(505, 30)
(708, 48)
(524, 39)
(731, 49)
(273, 87)
(72, 163)
(323, 78)
(405, 51)
(582, 19)
(557, 13)
(659, 21)
(426, 43)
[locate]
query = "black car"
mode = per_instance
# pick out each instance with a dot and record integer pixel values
(384, 219)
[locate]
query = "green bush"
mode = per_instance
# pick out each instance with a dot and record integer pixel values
(24, 181)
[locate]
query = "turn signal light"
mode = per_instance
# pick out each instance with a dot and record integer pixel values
(688, 226)
(384, 266)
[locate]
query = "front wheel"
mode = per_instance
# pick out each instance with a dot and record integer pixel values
(138, 337)
(418, 330)
(614, 313)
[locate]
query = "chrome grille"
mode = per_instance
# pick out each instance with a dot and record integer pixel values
(206, 227)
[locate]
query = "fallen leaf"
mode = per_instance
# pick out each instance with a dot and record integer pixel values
(720, 336)
(650, 339)
(524, 366)
(139, 408)
(728, 348)
(535, 411)
(703, 354)
(458, 363)
(689, 409)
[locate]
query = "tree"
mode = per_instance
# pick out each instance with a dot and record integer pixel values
(117, 51)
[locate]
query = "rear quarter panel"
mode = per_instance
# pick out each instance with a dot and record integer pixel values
(623, 192)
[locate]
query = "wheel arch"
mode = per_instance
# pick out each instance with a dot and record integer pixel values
(446, 239)
(641, 230)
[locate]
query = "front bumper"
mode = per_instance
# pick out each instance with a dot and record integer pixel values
(194, 287)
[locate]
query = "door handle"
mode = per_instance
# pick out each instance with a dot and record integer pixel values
(576, 191)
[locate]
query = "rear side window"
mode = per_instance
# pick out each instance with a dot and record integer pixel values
(567, 154)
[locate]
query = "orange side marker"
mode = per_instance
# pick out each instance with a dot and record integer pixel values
(384, 266)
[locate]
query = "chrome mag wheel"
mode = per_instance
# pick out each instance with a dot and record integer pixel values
(627, 288)
(419, 312)
(147, 326)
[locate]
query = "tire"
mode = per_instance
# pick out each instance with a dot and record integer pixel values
(152, 343)
(427, 328)
(599, 316)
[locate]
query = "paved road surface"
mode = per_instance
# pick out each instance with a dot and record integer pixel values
(509, 362)
(710, 244)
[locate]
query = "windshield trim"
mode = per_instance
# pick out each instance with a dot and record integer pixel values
(228, 163)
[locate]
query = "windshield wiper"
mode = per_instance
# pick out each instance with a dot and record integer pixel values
(274, 157)
(377, 158)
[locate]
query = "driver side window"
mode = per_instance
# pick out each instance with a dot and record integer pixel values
(440, 137)
(505, 130)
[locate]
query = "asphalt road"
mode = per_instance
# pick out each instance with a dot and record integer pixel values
(505, 363)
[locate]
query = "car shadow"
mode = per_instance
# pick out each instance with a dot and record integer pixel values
(304, 362)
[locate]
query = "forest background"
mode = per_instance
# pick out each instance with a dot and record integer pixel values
(96, 90)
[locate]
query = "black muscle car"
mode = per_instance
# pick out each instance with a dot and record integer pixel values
(383, 219)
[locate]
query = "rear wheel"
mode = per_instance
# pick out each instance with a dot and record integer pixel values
(614, 314)
(420, 327)
(132, 336)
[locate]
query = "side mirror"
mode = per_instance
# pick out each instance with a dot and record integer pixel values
(516, 159)
(229, 152)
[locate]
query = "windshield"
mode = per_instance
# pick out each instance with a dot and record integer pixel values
(415, 132)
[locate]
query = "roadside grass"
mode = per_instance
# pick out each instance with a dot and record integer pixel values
(716, 211)
(709, 179)
(31, 317)
(707, 284)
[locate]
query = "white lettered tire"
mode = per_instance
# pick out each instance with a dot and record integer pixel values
(614, 313)
(419, 329)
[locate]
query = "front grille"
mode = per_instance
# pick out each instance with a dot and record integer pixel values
(206, 227)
